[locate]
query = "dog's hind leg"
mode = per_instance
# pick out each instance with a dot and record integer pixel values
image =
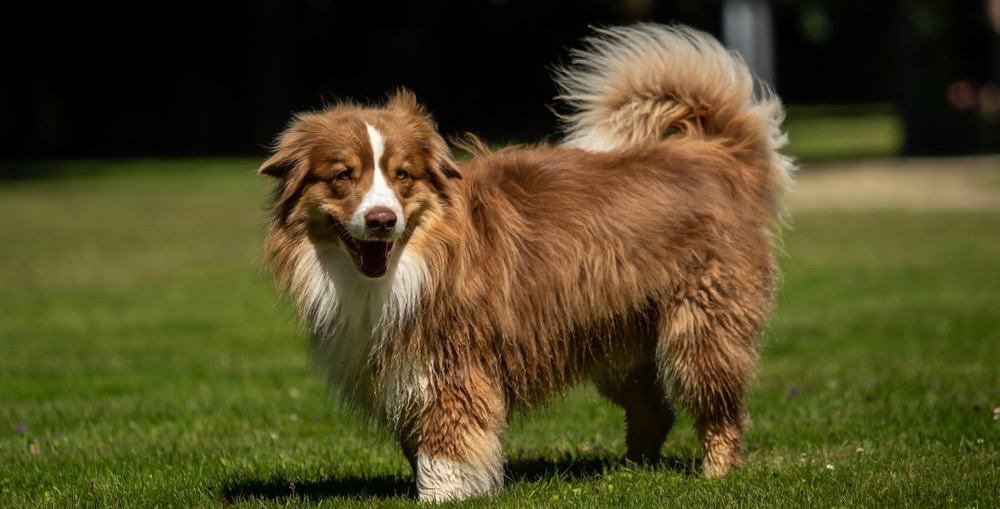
(648, 414)
(706, 355)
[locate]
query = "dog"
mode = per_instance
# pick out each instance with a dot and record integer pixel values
(637, 253)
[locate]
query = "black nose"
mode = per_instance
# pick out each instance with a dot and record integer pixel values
(380, 218)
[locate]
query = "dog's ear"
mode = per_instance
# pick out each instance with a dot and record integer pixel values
(290, 171)
(279, 165)
(438, 154)
(290, 150)
(450, 169)
(289, 162)
(403, 100)
(440, 157)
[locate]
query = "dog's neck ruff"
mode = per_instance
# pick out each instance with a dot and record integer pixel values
(351, 316)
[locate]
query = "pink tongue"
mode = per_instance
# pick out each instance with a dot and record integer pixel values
(374, 256)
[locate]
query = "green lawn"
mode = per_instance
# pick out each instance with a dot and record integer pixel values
(145, 361)
(837, 132)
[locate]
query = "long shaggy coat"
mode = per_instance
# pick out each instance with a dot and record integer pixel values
(637, 253)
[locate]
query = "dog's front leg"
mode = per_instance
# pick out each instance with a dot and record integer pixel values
(458, 453)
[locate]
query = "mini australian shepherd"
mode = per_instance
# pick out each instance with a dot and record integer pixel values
(637, 253)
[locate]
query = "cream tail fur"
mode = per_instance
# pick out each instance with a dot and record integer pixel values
(637, 84)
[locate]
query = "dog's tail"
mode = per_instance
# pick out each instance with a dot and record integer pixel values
(639, 84)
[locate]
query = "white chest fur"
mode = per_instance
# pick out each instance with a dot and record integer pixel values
(351, 317)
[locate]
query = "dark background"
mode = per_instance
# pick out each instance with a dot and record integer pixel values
(180, 79)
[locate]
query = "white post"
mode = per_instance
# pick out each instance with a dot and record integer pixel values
(746, 28)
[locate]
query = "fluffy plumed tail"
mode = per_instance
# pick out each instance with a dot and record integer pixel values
(639, 84)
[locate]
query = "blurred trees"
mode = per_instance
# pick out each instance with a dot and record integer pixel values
(946, 87)
(178, 78)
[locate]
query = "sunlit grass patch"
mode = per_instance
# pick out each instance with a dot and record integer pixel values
(837, 132)
(146, 361)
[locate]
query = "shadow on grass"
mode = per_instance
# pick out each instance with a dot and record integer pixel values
(383, 487)
(535, 469)
(380, 487)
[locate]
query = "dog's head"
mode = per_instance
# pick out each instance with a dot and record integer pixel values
(361, 178)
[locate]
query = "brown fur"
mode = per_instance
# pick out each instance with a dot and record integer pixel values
(646, 267)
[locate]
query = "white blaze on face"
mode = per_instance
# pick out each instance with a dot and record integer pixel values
(379, 194)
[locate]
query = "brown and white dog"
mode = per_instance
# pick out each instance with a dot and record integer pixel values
(638, 253)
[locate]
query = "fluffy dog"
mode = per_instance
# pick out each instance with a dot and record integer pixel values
(638, 253)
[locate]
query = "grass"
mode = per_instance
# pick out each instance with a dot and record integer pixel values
(836, 132)
(145, 361)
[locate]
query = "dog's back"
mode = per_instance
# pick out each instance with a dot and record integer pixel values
(613, 229)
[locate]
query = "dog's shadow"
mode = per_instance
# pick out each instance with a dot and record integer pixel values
(389, 486)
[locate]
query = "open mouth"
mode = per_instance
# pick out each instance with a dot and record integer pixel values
(371, 257)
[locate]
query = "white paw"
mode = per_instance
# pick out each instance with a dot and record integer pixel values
(442, 480)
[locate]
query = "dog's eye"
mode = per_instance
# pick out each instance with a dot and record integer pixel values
(344, 175)
(402, 174)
